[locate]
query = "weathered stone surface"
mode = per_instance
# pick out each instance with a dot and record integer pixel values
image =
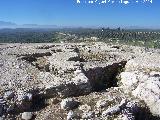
(130, 110)
(149, 91)
(85, 108)
(142, 79)
(88, 115)
(145, 62)
(102, 103)
(27, 116)
(100, 76)
(69, 104)
(111, 111)
(71, 115)
(8, 95)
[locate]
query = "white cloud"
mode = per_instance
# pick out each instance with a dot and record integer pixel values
(78, 1)
(126, 2)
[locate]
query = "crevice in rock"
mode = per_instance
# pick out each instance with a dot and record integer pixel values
(144, 114)
(117, 47)
(57, 50)
(44, 68)
(38, 103)
(34, 58)
(46, 46)
(153, 117)
(29, 58)
(77, 59)
(102, 78)
(76, 50)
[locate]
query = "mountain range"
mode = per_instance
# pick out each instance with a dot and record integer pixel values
(4, 24)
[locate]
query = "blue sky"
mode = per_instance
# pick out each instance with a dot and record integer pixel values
(69, 13)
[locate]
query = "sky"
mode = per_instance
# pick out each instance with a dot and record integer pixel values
(70, 13)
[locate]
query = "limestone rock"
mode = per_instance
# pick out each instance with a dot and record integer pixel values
(128, 79)
(86, 72)
(111, 111)
(88, 115)
(143, 82)
(27, 115)
(85, 108)
(102, 103)
(149, 91)
(71, 115)
(144, 62)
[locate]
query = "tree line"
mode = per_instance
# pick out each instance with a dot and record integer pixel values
(144, 37)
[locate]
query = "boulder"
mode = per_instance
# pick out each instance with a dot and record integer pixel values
(69, 104)
(149, 91)
(128, 79)
(27, 115)
(145, 86)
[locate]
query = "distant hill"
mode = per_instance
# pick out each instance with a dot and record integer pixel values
(4, 24)
(37, 26)
(142, 28)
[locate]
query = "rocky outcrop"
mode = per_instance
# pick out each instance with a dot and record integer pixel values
(149, 91)
(142, 80)
(108, 81)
